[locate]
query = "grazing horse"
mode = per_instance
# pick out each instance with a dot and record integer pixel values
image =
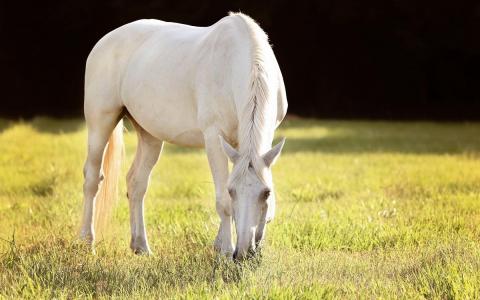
(218, 87)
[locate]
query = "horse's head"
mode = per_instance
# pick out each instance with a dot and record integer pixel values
(250, 187)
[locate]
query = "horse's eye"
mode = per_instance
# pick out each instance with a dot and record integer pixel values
(265, 194)
(231, 192)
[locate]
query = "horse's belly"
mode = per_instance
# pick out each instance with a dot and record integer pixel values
(169, 123)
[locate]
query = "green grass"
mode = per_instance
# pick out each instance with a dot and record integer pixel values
(365, 210)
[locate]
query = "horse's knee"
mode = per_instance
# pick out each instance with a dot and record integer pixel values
(223, 204)
(92, 181)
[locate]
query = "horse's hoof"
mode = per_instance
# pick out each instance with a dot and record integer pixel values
(87, 238)
(85, 246)
(140, 246)
(226, 250)
(142, 252)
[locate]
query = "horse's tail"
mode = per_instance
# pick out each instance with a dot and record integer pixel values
(108, 193)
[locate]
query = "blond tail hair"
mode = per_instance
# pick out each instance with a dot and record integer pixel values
(107, 195)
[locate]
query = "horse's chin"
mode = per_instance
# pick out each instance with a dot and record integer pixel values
(260, 233)
(246, 256)
(253, 251)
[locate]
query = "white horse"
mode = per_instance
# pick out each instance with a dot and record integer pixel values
(190, 86)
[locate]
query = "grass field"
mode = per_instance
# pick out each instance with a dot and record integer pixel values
(365, 210)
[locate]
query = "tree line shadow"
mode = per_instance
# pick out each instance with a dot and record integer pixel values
(46, 124)
(340, 137)
(359, 144)
(381, 137)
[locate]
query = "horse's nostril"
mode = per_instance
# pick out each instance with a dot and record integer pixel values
(235, 254)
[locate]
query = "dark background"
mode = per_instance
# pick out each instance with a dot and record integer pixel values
(387, 59)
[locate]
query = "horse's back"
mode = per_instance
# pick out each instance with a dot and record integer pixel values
(139, 66)
(174, 79)
(179, 81)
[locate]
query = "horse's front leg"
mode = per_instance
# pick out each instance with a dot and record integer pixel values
(219, 168)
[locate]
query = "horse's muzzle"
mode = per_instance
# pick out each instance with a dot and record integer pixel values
(240, 256)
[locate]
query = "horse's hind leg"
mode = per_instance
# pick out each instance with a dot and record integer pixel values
(138, 177)
(100, 126)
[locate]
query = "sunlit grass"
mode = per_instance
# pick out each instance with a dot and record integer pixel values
(365, 210)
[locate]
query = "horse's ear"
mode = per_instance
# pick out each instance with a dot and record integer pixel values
(231, 153)
(271, 156)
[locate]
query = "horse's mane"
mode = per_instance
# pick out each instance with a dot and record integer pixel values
(254, 117)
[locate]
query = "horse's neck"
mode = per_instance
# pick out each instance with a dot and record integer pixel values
(256, 142)
(258, 115)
